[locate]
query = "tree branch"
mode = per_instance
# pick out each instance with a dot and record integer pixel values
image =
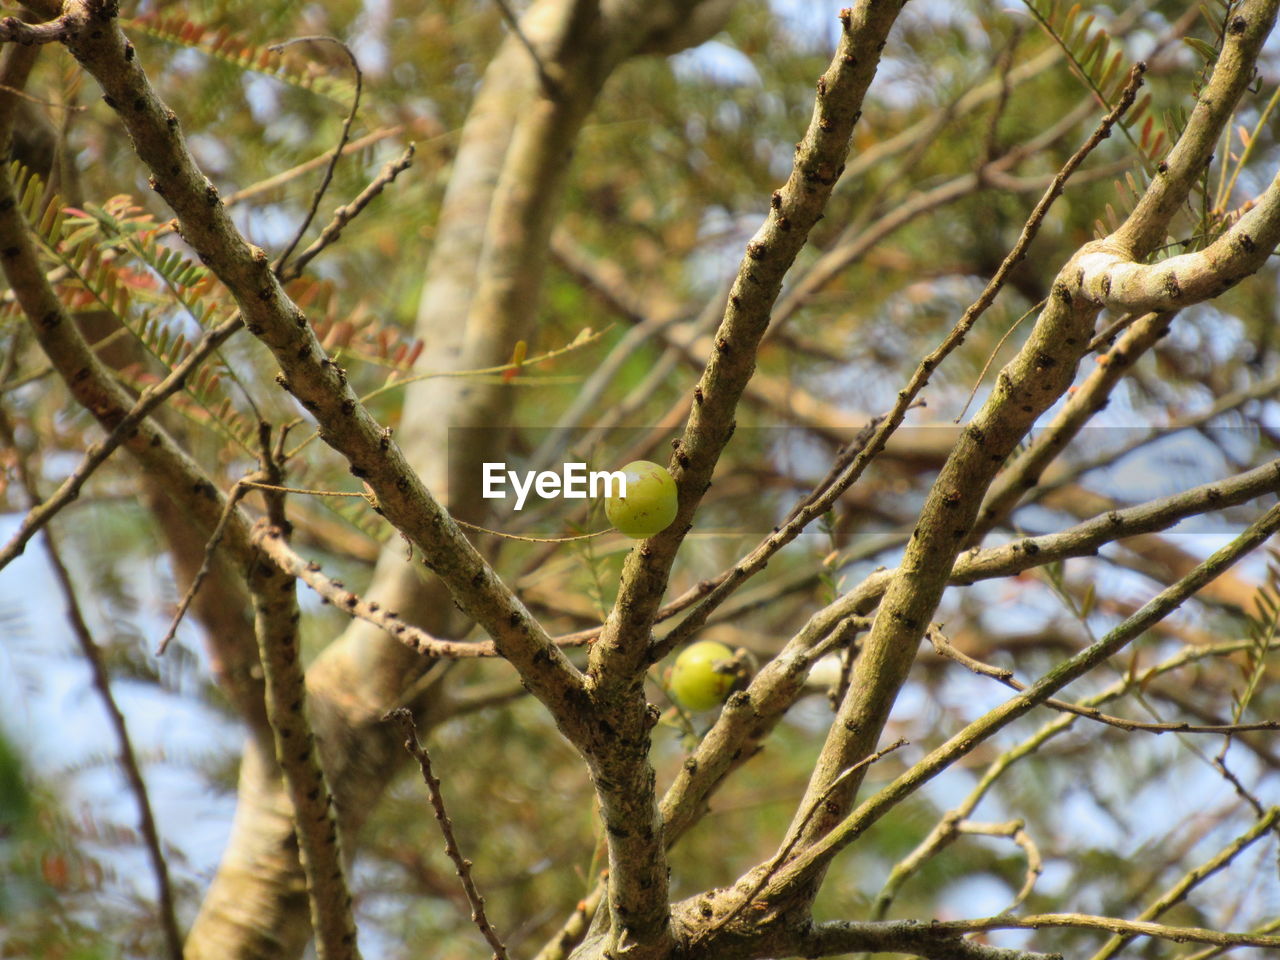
(820, 158)
(813, 858)
(335, 592)
(404, 719)
(843, 937)
(307, 372)
(13, 30)
(1193, 878)
(1027, 466)
(345, 214)
(1025, 388)
(1112, 280)
(96, 455)
(944, 648)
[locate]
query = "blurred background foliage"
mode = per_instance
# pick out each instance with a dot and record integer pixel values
(672, 174)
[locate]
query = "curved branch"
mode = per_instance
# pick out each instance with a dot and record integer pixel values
(1112, 280)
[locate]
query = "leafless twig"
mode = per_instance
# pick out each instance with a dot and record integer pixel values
(237, 493)
(345, 214)
(944, 648)
(337, 150)
(96, 455)
(402, 717)
(548, 84)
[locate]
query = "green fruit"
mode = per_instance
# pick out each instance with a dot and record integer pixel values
(650, 503)
(703, 675)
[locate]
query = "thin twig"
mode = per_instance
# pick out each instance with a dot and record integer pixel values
(549, 85)
(982, 374)
(285, 176)
(811, 506)
(944, 648)
(269, 541)
(1016, 831)
(96, 455)
(237, 492)
(345, 214)
(404, 718)
(372, 501)
(527, 539)
(343, 137)
(1192, 878)
(1220, 764)
(102, 684)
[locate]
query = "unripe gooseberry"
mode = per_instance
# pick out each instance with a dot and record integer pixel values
(703, 675)
(650, 503)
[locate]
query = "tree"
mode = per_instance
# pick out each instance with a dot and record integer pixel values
(607, 226)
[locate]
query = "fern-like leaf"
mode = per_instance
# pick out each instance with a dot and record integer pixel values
(230, 48)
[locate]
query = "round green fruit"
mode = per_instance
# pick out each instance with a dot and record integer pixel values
(703, 675)
(650, 503)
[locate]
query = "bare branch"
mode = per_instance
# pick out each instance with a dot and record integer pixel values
(334, 591)
(345, 214)
(831, 938)
(96, 455)
(819, 853)
(315, 820)
(206, 566)
(332, 165)
(404, 719)
(1178, 892)
(945, 649)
